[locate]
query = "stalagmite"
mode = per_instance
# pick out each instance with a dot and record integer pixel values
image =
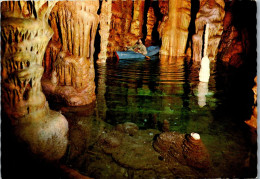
(174, 30)
(105, 19)
(205, 68)
(25, 35)
(151, 20)
(211, 12)
(74, 64)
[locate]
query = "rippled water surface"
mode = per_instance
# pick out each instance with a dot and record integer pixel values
(149, 92)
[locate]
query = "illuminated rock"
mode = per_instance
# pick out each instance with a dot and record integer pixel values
(105, 19)
(211, 12)
(253, 120)
(151, 20)
(25, 35)
(174, 29)
(74, 64)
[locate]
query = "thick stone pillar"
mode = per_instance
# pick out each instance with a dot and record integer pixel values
(138, 18)
(72, 77)
(211, 12)
(174, 30)
(25, 34)
(105, 19)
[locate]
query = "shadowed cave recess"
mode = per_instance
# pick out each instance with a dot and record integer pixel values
(78, 103)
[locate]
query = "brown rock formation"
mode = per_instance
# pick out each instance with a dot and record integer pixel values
(151, 20)
(253, 120)
(120, 25)
(174, 31)
(105, 19)
(233, 43)
(73, 74)
(211, 12)
(138, 19)
(187, 149)
(25, 35)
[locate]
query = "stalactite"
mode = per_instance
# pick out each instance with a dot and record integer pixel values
(211, 12)
(24, 42)
(174, 29)
(151, 20)
(74, 64)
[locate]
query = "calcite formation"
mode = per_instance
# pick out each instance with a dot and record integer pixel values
(211, 12)
(72, 78)
(253, 120)
(105, 19)
(174, 31)
(234, 44)
(151, 20)
(121, 19)
(138, 19)
(25, 35)
(187, 149)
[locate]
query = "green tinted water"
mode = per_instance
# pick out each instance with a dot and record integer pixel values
(149, 92)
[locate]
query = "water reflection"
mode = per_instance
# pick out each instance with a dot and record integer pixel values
(202, 92)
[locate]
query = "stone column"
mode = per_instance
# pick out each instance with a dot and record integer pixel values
(151, 20)
(72, 78)
(105, 19)
(25, 35)
(174, 31)
(211, 12)
(138, 18)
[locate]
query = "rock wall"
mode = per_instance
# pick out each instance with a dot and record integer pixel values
(72, 78)
(211, 12)
(120, 25)
(234, 44)
(25, 34)
(174, 30)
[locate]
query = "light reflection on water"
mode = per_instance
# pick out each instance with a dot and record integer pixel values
(148, 92)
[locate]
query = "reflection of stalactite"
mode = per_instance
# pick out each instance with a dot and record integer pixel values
(105, 19)
(202, 92)
(174, 30)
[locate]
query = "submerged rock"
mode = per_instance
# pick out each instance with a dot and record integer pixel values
(186, 149)
(128, 128)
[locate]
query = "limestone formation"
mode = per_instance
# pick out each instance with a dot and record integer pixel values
(174, 30)
(138, 19)
(105, 19)
(234, 44)
(253, 120)
(121, 19)
(187, 149)
(25, 34)
(205, 67)
(151, 20)
(211, 12)
(76, 22)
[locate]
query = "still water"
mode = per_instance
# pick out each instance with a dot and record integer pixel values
(147, 93)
